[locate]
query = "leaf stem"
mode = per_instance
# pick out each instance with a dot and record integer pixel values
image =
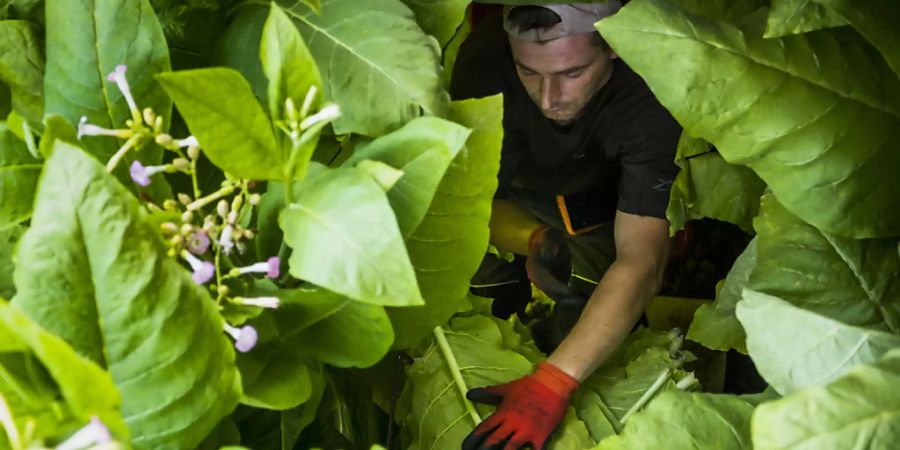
(201, 202)
(9, 425)
(610, 416)
(129, 144)
(457, 374)
(194, 182)
(654, 388)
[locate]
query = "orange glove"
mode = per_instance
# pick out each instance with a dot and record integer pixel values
(529, 410)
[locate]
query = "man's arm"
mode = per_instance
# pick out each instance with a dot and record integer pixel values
(642, 247)
(511, 225)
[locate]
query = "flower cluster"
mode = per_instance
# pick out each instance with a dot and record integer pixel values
(204, 240)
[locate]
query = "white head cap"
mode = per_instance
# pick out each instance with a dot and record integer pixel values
(576, 18)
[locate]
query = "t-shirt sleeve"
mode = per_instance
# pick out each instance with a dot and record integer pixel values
(647, 156)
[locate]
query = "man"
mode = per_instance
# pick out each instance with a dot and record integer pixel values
(586, 168)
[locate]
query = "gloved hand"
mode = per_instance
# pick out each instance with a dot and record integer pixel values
(549, 263)
(549, 267)
(529, 410)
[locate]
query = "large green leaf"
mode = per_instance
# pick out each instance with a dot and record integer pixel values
(232, 128)
(438, 417)
(19, 172)
(851, 281)
(274, 377)
(8, 239)
(818, 351)
(618, 385)
(439, 18)
(876, 20)
(345, 238)
(451, 240)
(716, 326)
(287, 63)
(94, 271)
(860, 410)
(22, 67)
(84, 389)
(814, 115)
(707, 186)
(86, 40)
(378, 65)
(687, 421)
(356, 335)
(423, 150)
(347, 333)
(799, 16)
(239, 45)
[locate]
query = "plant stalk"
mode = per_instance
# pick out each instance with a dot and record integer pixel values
(9, 425)
(654, 388)
(457, 374)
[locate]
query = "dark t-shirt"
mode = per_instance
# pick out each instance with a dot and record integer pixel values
(619, 154)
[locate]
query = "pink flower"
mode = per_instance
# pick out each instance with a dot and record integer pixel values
(262, 302)
(270, 267)
(225, 239)
(203, 270)
(118, 76)
(198, 243)
(244, 337)
(187, 142)
(86, 129)
(141, 174)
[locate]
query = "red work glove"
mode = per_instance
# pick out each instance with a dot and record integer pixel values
(529, 410)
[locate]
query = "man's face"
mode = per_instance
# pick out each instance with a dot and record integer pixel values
(562, 75)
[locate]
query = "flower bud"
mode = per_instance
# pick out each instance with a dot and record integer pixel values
(249, 234)
(186, 228)
(222, 208)
(232, 217)
(181, 164)
(237, 203)
(168, 228)
(184, 198)
(193, 152)
(158, 123)
(255, 199)
(149, 116)
(222, 290)
(170, 205)
(176, 240)
(163, 139)
(187, 216)
(290, 110)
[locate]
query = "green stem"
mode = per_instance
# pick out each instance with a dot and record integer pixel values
(129, 144)
(610, 416)
(654, 388)
(9, 425)
(199, 203)
(457, 374)
(194, 182)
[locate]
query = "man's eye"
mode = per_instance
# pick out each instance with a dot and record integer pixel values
(525, 72)
(574, 74)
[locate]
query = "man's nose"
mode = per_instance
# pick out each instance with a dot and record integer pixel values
(549, 93)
